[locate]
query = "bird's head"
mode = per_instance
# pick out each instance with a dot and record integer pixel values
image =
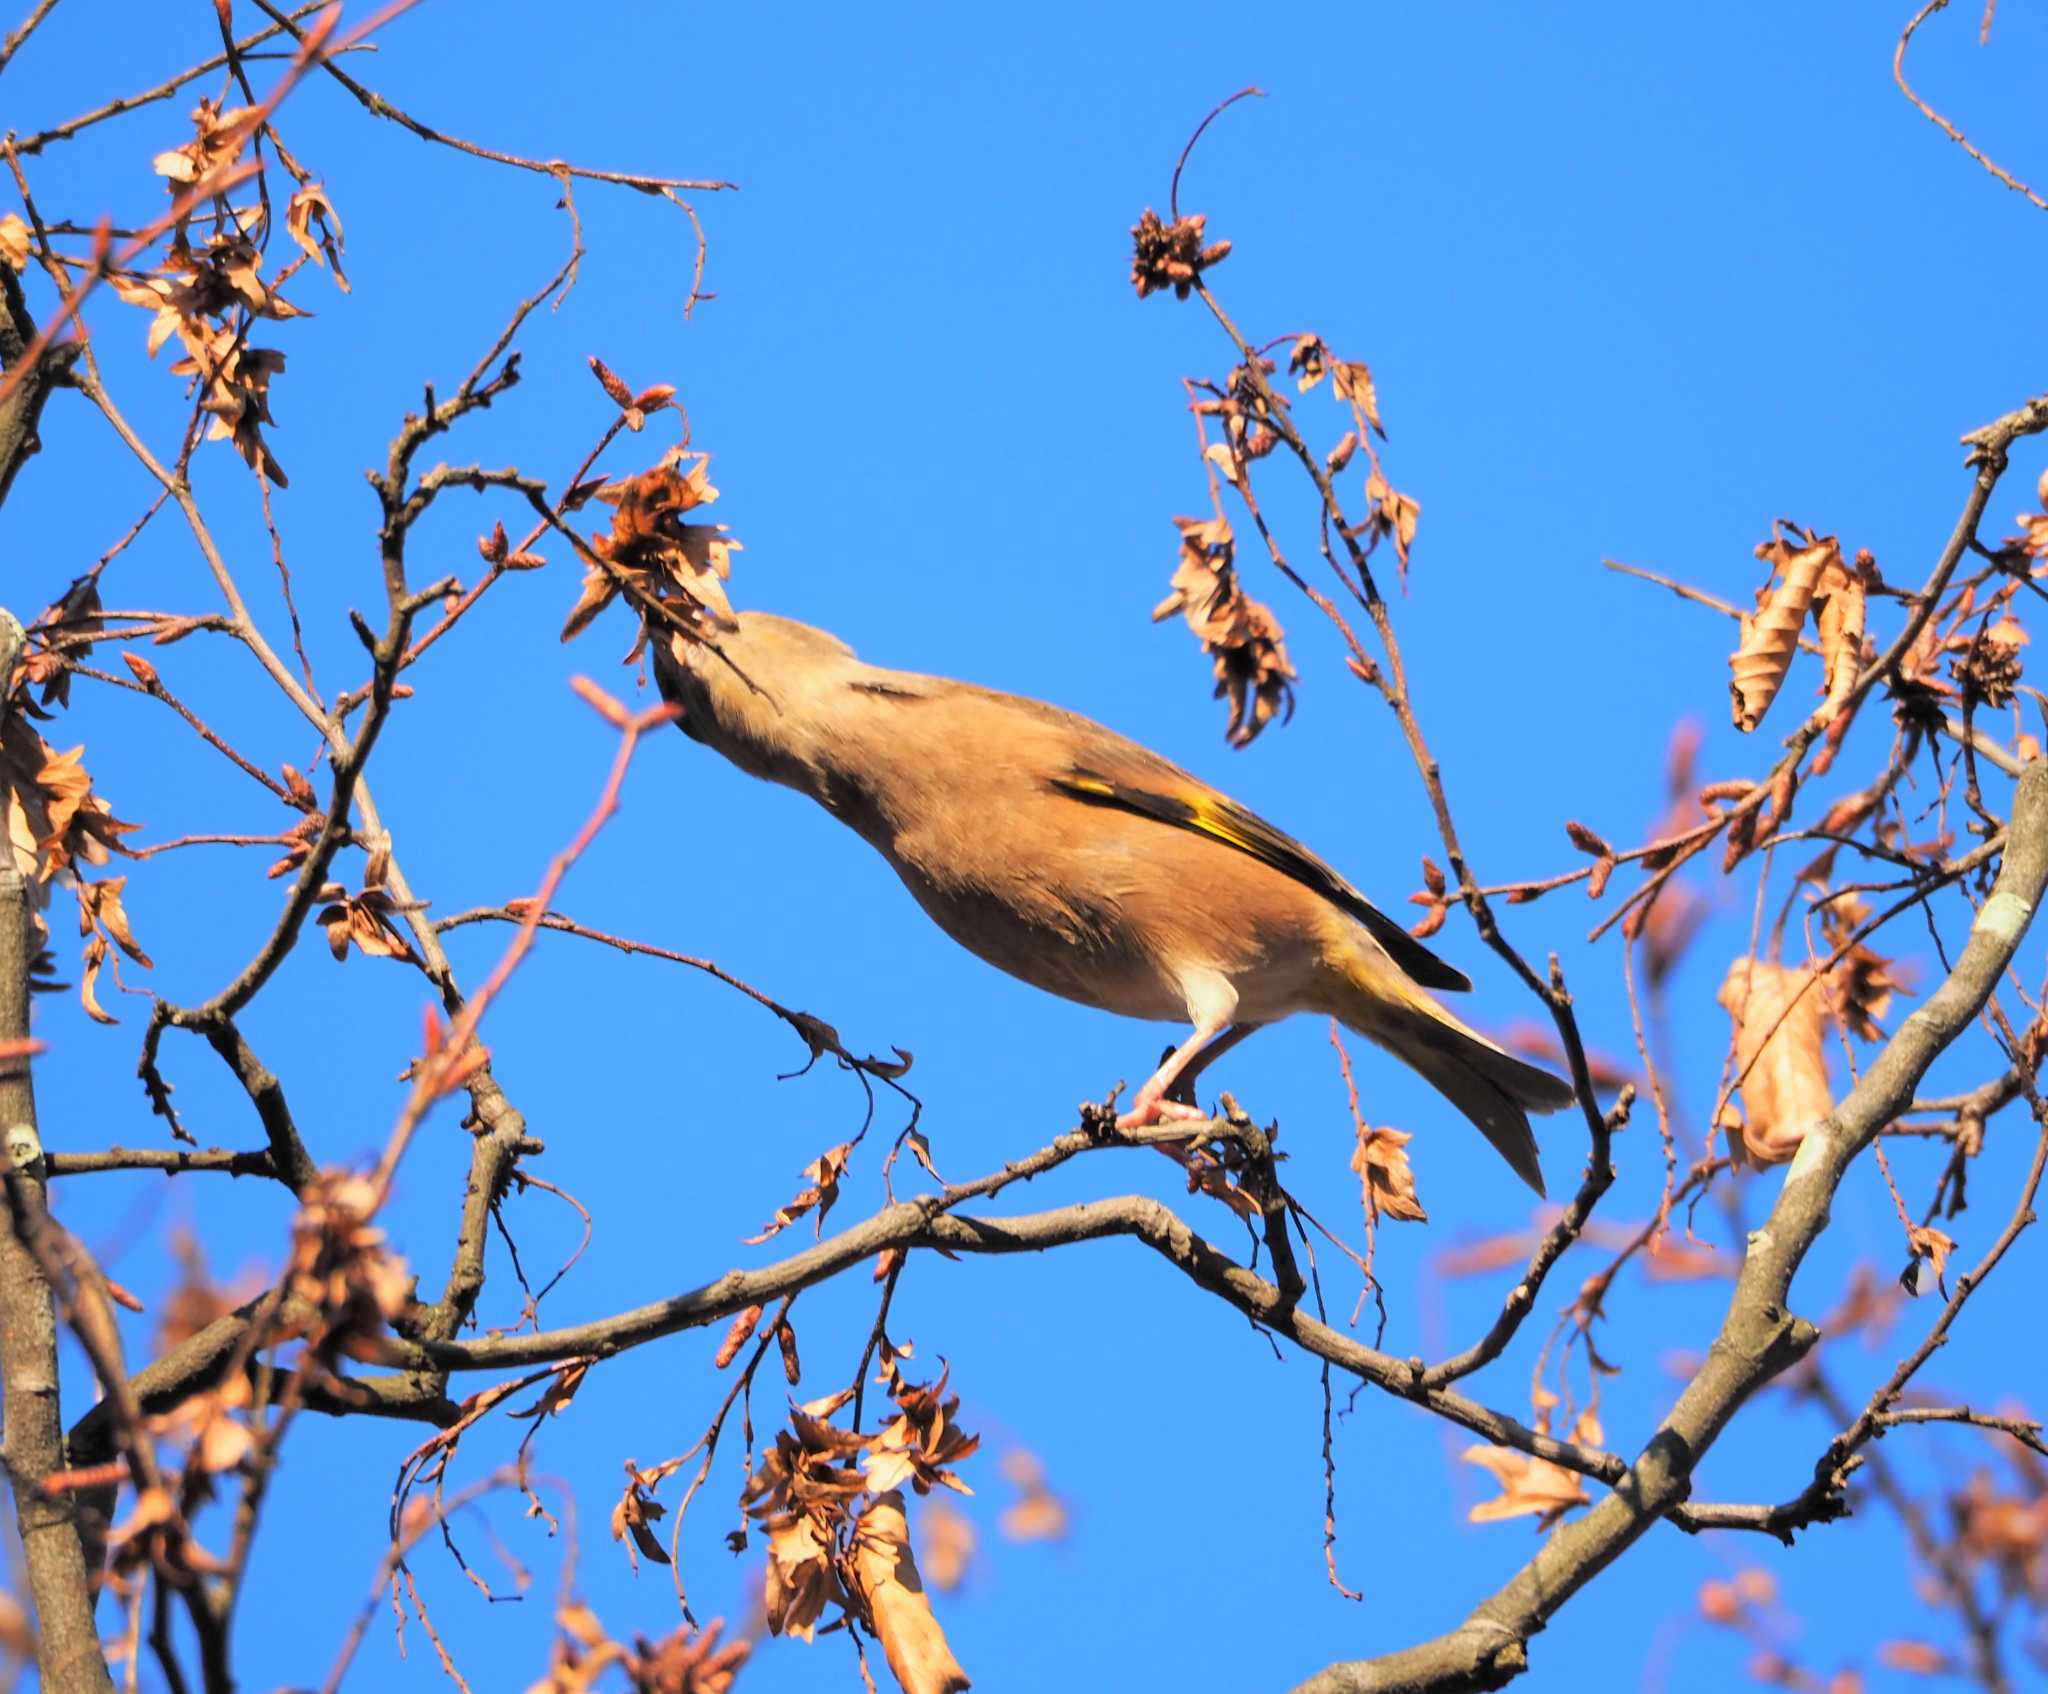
(757, 691)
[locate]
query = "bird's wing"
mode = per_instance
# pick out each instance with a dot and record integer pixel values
(1091, 763)
(1153, 788)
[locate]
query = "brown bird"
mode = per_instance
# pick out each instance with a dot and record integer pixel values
(1087, 865)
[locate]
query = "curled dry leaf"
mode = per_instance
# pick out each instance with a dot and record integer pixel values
(1239, 633)
(821, 1177)
(363, 920)
(633, 1520)
(311, 220)
(1861, 985)
(1771, 636)
(1839, 606)
(1931, 1248)
(14, 244)
(1171, 255)
(1352, 381)
(1218, 453)
(1307, 363)
(1531, 1487)
(1390, 512)
(1386, 1180)
(1782, 1064)
(893, 1597)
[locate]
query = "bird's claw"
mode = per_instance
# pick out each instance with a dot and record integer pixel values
(1145, 1113)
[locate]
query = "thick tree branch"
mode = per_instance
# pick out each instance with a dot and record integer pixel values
(68, 1646)
(1760, 1336)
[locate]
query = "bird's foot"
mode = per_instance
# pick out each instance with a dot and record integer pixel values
(1145, 1112)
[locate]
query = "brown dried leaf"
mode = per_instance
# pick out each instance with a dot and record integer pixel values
(1530, 1486)
(309, 206)
(1771, 636)
(1862, 983)
(1930, 1246)
(822, 1177)
(1391, 512)
(634, 1516)
(1352, 381)
(893, 1597)
(1240, 634)
(1839, 607)
(1386, 1181)
(1785, 1086)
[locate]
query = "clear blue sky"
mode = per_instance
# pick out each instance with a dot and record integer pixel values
(1633, 282)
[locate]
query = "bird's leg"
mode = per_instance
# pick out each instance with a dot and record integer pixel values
(1183, 1088)
(1212, 1005)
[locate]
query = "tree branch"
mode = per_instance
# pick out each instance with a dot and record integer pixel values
(68, 1646)
(1760, 1336)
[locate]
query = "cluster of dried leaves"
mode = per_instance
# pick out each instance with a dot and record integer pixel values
(58, 826)
(208, 290)
(1240, 634)
(829, 1502)
(671, 571)
(689, 1661)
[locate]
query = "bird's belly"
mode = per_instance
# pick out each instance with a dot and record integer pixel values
(1066, 950)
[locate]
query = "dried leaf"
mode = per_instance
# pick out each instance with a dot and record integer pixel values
(1771, 636)
(1352, 381)
(1530, 1486)
(894, 1599)
(1785, 1087)
(822, 1177)
(1930, 1247)
(1839, 608)
(309, 206)
(1240, 634)
(1386, 1181)
(634, 1517)
(1390, 512)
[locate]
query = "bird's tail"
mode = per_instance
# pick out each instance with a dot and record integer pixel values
(1490, 1086)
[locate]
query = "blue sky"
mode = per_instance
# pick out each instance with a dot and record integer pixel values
(1633, 282)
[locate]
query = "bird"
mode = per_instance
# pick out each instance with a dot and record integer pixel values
(1088, 865)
